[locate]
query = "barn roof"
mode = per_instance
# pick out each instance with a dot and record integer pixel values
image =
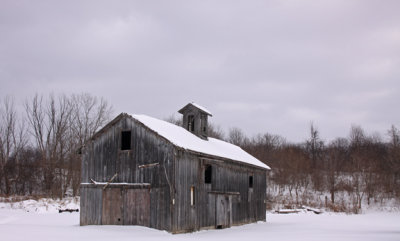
(197, 106)
(185, 139)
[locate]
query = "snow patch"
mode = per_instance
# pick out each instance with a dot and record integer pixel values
(43, 205)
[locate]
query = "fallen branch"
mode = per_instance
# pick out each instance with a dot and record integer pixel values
(68, 210)
(314, 210)
(287, 211)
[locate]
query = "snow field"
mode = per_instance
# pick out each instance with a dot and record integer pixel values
(19, 224)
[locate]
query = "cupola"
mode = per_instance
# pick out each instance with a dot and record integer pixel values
(195, 119)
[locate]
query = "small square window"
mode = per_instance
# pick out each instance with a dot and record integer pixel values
(125, 140)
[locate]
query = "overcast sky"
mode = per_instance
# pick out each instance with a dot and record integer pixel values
(262, 66)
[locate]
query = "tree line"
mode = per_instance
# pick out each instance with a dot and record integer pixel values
(359, 167)
(364, 167)
(40, 142)
(41, 139)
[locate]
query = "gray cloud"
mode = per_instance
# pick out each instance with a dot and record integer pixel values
(264, 66)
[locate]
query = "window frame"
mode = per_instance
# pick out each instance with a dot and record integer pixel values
(192, 196)
(190, 123)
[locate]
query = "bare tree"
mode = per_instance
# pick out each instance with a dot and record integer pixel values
(12, 139)
(394, 160)
(315, 149)
(357, 140)
(89, 114)
(314, 146)
(336, 156)
(236, 136)
(215, 131)
(174, 120)
(357, 136)
(49, 124)
(296, 160)
(266, 147)
(60, 126)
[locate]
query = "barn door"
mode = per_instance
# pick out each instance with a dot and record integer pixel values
(137, 207)
(223, 211)
(112, 207)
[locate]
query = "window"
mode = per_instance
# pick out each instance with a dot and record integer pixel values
(203, 123)
(192, 196)
(250, 181)
(208, 174)
(125, 140)
(191, 123)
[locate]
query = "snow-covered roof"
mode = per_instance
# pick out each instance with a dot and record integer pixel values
(184, 139)
(116, 184)
(201, 108)
(197, 106)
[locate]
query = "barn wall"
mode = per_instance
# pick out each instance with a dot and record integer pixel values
(90, 206)
(230, 182)
(171, 179)
(103, 157)
(120, 204)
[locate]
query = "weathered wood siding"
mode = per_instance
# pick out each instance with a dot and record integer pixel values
(112, 206)
(90, 206)
(137, 207)
(230, 184)
(171, 172)
(103, 158)
(200, 121)
(118, 205)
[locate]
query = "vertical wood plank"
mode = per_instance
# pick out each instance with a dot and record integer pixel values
(112, 207)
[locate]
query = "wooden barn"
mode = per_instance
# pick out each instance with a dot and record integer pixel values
(139, 170)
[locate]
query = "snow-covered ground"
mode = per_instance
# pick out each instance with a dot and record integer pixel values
(39, 220)
(43, 205)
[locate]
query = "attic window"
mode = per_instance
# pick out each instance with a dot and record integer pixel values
(191, 123)
(125, 140)
(208, 174)
(250, 181)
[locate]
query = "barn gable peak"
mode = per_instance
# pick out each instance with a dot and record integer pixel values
(195, 119)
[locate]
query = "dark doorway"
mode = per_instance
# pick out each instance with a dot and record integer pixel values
(208, 174)
(250, 181)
